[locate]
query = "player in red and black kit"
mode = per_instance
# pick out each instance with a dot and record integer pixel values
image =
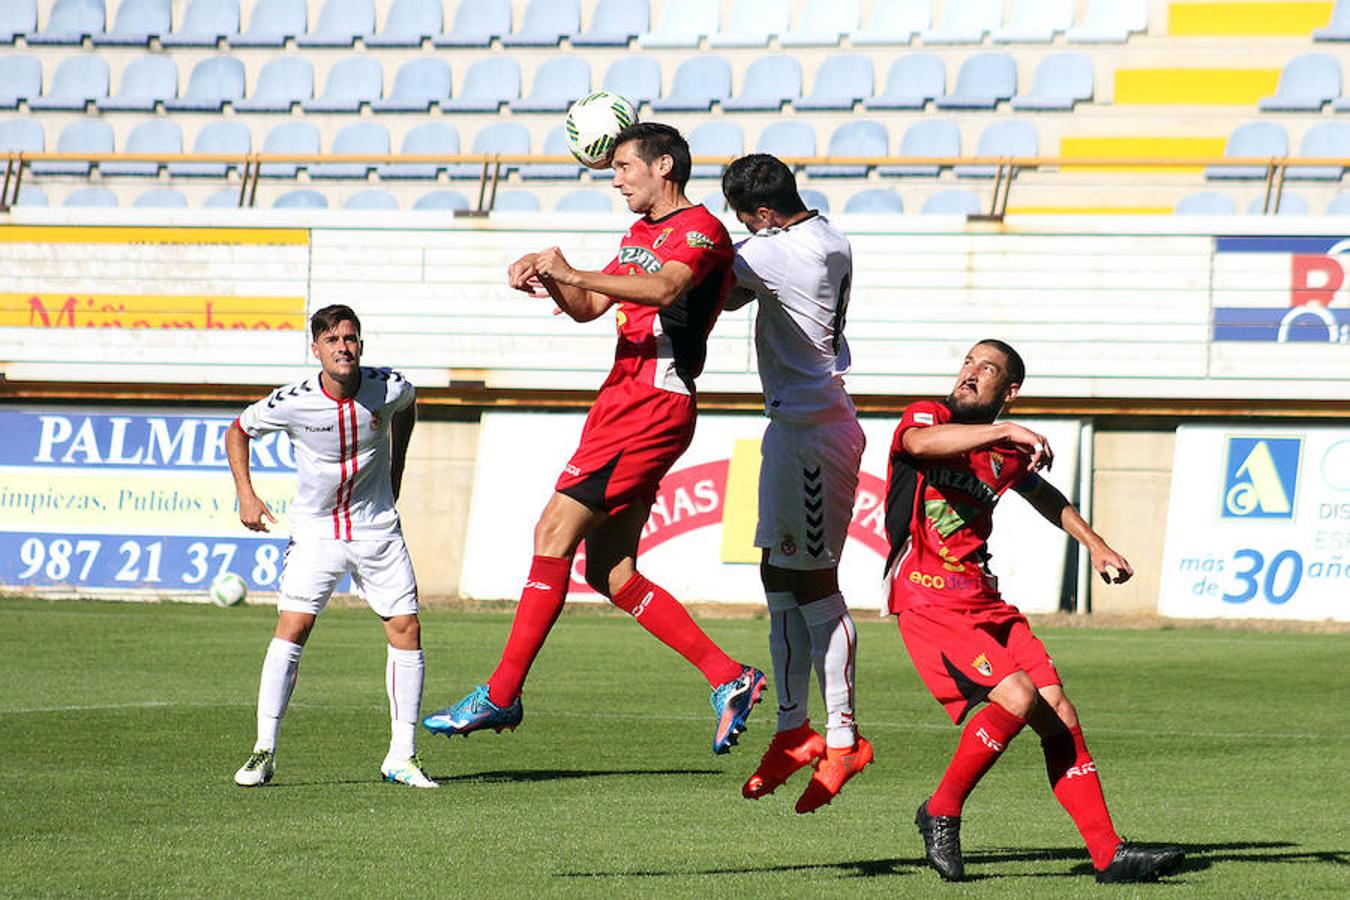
(669, 281)
(949, 464)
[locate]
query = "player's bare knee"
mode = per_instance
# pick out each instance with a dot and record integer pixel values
(1017, 694)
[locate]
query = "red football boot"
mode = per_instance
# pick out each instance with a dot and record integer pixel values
(789, 751)
(837, 766)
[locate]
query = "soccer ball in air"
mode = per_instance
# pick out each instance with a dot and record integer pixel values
(228, 589)
(592, 124)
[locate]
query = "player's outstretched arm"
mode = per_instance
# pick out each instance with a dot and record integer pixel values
(579, 305)
(400, 433)
(660, 288)
(252, 510)
(1047, 500)
(954, 438)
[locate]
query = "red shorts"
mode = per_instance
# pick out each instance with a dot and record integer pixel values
(962, 654)
(632, 437)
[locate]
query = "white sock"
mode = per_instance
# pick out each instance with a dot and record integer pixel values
(790, 650)
(403, 672)
(279, 670)
(834, 648)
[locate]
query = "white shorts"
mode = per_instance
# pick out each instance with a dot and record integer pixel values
(381, 571)
(808, 479)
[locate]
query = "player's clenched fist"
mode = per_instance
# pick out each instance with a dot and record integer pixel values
(552, 264)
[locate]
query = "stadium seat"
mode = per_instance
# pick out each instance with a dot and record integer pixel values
(717, 137)
(476, 23)
(557, 83)
(71, 22)
(20, 79)
(282, 83)
(1307, 83)
(788, 139)
(637, 78)
(842, 81)
(500, 137)
(31, 196)
(926, 137)
(1339, 205)
(353, 80)
(146, 82)
(615, 23)
(555, 144)
(373, 199)
(815, 200)
(1035, 22)
(21, 135)
(770, 81)
(137, 22)
(91, 196)
(823, 23)
(225, 198)
(360, 137)
(545, 24)
(516, 201)
(752, 23)
(699, 82)
(985, 79)
(224, 136)
(160, 198)
(78, 81)
(1009, 137)
(683, 24)
(340, 23)
(213, 83)
(410, 22)
(438, 200)
(490, 82)
(80, 136)
(17, 18)
(952, 202)
(154, 136)
(419, 84)
(875, 201)
(294, 137)
(205, 23)
(966, 22)
(272, 22)
(585, 200)
(1110, 22)
(1062, 79)
(1251, 139)
(301, 198)
(894, 22)
(430, 137)
(911, 82)
(856, 138)
(1323, 139)
(1338, 29)
(1290, 204)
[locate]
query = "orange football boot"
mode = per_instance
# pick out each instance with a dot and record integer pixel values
(789, 751)
(838, 765)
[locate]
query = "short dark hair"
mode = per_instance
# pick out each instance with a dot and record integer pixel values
(1017, 369)
(655, 140)
(327, 319)
(761, 180)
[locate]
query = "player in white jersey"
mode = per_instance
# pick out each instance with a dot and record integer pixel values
(799, 269)
(350, 427)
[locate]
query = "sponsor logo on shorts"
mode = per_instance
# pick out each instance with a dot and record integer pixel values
(996, 746)
(981, 664)
(699, 241)
(571, 469)
(661, 238)
(947, 582)
(787, 546)
(1086, 768)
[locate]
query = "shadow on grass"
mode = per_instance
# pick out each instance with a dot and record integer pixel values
(521, 776)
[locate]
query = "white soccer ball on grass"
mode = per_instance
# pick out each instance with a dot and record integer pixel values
(228, 589)
(593, 122)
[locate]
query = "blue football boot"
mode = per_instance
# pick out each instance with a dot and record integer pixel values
(731, 703)
(474, 712)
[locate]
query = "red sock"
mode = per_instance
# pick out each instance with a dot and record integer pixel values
(983, 741)
(540, 603)
(662, 615)
(1073, 776)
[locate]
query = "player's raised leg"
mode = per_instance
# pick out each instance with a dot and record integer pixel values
(281, 666)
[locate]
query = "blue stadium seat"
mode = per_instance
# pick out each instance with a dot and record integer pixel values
(373, 199)
(289, 137)
(555, 144)
(911, 82)
(476, 23)
(966, 22)
(788, 139)
(1339, 205)
(17, 18)
(146, 81)
(272, 22)
(752, 23)
(154, 136)
(894, 22)
(926, 137)
(20, 79)
(717, 137)
(21, 134)
(1338, 29)
(1323, 139)
(1036, 22)
(78, 81)
(984, 80)
(841, 81)
(213, 83)
(285, 81)
(682, 24)
(99, 197)
(875, 201)
(429, 137)
(224, 136)
(1307, 83)
(516, 201)
(419, 84)
(1008, 137)
(441, 200)
(823, 23)
(585, 200)
(557, 83)
(856, 138)
(225, 198)
(490, 82)
(71, 22)
(1062, 79)
(31, 196)
(1290, 204)
(699, 82)
(545, 24)
(409, 23)
(770, 81)
(951, 202)
(615, 24)
(137, 22)
(1110, 22)
(340, 23)
(160, 198)
(80, 136)
(636, 77)
(815, 200)
(359, 137)
(1251, 139)
(353, 80)
(301, 198)
(499, 137)
(205, 23)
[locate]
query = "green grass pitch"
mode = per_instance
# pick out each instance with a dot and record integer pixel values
(121, 726)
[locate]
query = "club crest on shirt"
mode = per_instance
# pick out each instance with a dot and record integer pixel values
(981, 664)
(996, 463)
(787, 546)
(661, 238)
(698, 240)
